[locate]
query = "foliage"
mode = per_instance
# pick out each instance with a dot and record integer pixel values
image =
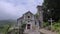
(37, 16)
(4, 29)
(56, 27)
(22, 28)
(54, 9)
(45, 24)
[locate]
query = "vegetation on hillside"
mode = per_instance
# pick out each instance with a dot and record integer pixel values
(55, 26)
(52, 10)
(4, 29)
(5, 25)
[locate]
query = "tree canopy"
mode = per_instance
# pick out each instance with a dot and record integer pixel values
(52, 9)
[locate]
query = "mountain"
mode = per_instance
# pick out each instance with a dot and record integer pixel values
(5, 22)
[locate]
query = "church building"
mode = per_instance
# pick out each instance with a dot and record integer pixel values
(32, 21)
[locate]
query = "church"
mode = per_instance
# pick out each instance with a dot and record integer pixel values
(32, 21)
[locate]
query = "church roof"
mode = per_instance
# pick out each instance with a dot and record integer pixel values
(39, 6)
(20, 18)
(28, 12)
(24, 14)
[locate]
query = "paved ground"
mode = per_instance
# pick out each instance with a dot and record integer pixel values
(47, 31)
(32, 32)
(39, 31)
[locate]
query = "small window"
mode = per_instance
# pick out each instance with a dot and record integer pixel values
(28, 21)
(39, 23)
(35, 23)
(28, 16)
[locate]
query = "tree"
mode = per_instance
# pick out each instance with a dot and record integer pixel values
(54, 9)
(9, 26)
(22, 28)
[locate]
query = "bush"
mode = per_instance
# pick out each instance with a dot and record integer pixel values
(45, 24)
(56, 27)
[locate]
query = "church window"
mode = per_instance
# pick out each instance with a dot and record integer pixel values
(35, 23)
(28, 16)
(28, 21)
(39, 23)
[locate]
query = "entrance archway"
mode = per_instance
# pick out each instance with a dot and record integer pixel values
(28, 26)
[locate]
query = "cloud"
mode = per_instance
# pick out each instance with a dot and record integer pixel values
(12, 9)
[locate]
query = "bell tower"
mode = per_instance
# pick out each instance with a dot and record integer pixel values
(40, 13)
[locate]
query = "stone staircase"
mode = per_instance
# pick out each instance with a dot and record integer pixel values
(32, 31)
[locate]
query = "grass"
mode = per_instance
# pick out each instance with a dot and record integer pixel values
(55, 26)
(45, 24)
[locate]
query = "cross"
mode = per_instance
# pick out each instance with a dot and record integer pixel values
(51, 20)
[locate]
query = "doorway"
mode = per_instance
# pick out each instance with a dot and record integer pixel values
(28, 26)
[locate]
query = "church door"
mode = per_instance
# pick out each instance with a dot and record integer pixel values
(28, 26)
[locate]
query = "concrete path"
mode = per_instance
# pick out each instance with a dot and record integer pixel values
(32, 32)
(47, 31)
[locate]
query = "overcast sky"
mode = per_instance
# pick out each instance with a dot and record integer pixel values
(12, 9)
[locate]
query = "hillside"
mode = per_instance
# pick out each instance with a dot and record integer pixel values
(5, 22)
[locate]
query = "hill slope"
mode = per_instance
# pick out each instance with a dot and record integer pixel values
(5, 22)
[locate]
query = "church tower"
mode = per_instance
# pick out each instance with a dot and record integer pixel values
(40, 13)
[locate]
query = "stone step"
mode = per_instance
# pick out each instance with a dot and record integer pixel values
(32, 32)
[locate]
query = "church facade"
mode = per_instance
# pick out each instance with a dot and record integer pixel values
(32, 21)
(29, 19)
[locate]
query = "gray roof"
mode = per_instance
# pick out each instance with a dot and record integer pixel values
(24, 14)
(20, 18)
(28, 12)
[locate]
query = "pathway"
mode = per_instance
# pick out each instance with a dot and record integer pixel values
(47, 31)
(32, 32)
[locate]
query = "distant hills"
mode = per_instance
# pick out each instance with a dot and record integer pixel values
(5, 22)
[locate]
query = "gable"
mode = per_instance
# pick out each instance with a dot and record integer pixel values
(28, 13)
